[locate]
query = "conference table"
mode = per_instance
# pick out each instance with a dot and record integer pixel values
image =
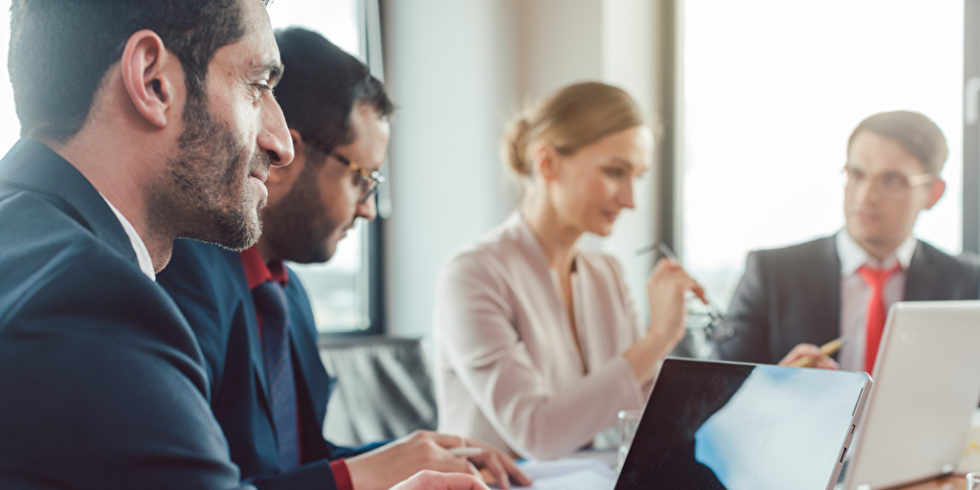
(606, 459)
(954, 482)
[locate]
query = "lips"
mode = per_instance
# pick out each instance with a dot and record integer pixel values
(610, 215)
(344, 230)
(867, 215)
(259, 174)
(259, 178)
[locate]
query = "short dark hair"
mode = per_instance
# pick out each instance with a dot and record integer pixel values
(321, 85)
(60, 51)
(914, 131)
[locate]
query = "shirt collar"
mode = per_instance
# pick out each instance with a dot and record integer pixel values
(853, 256)
(257, 271)
(142, 254)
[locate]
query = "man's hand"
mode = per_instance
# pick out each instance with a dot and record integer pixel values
(425, 450)
(810, 354)
(431, 480)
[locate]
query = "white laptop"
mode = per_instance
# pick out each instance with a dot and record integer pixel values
(927, 384)
(726, 425)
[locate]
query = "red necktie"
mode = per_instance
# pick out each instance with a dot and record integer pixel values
(876, 279)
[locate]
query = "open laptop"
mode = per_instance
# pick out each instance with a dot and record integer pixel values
(927, 384)
(726, 425)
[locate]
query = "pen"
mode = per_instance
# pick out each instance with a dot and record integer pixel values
(827, 349)
(469, 451)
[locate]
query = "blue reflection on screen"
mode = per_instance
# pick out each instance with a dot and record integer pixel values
(740, 426)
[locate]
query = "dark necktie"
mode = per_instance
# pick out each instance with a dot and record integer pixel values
(270, 300)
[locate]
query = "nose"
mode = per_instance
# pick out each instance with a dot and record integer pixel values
(367, 209)
(626, 196)
(865, 191)
(274, 136)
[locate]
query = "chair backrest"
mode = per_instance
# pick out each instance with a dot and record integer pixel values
(384, 389)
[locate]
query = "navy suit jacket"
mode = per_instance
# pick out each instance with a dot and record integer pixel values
(101, 380)
(210, 287)
(792, 295)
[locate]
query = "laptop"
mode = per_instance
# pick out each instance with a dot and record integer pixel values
(927, 384)
(727, 425)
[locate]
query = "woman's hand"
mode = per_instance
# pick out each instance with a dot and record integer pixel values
(666, 290)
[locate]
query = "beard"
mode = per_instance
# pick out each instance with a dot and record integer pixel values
(207, 187)
(297, 227)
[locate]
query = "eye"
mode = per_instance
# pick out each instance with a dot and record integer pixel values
(854, 175)
(894, 180)
(261, 88)
(360, 180)
(615, 172)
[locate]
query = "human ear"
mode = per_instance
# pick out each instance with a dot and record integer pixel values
(147, 72)
(545, 161)
(936, 189)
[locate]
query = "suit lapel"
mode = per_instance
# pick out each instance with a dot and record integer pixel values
(825, 291)
(312, 377)
(919, 278)
(254, 340)
(311, 373)
(33, 166)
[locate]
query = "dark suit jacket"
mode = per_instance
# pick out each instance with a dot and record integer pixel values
(209, 285)
(792, 295)
(101, 380)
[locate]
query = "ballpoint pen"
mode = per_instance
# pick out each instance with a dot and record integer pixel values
(827, 349)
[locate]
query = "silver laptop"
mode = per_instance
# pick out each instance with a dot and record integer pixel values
(726, 425)
(927, 384)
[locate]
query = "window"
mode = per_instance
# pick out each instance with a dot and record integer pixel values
(767, 107)
(340, 290)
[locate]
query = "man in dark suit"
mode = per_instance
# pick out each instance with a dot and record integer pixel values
(272, 410)
(794, 298)
(141, 122)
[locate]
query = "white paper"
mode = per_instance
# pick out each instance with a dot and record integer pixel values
(569, 474)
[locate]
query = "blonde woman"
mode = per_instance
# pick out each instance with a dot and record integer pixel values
(537, 342)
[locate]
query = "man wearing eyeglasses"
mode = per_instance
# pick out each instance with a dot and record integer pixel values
(252, 315)
(791, 299)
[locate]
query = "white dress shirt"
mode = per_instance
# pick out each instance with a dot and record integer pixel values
(142, 254)
(855, 293)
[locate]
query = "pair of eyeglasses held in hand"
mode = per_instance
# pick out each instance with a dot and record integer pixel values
(716, 329)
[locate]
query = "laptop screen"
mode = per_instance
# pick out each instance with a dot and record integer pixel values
(720, 425)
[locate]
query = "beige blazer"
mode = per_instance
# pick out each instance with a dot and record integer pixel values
(506, 367)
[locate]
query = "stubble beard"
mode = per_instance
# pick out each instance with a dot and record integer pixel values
(197, 197)
(295, 224)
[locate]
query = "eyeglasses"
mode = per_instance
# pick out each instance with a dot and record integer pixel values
(715, 327)
(890, 184)
(368, 180)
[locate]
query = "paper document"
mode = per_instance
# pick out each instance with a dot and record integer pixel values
(569, 474)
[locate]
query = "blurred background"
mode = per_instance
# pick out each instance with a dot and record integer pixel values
(755, 100)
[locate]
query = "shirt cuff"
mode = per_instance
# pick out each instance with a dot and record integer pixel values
(341, 474)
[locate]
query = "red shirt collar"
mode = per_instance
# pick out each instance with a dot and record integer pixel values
(257, 271)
